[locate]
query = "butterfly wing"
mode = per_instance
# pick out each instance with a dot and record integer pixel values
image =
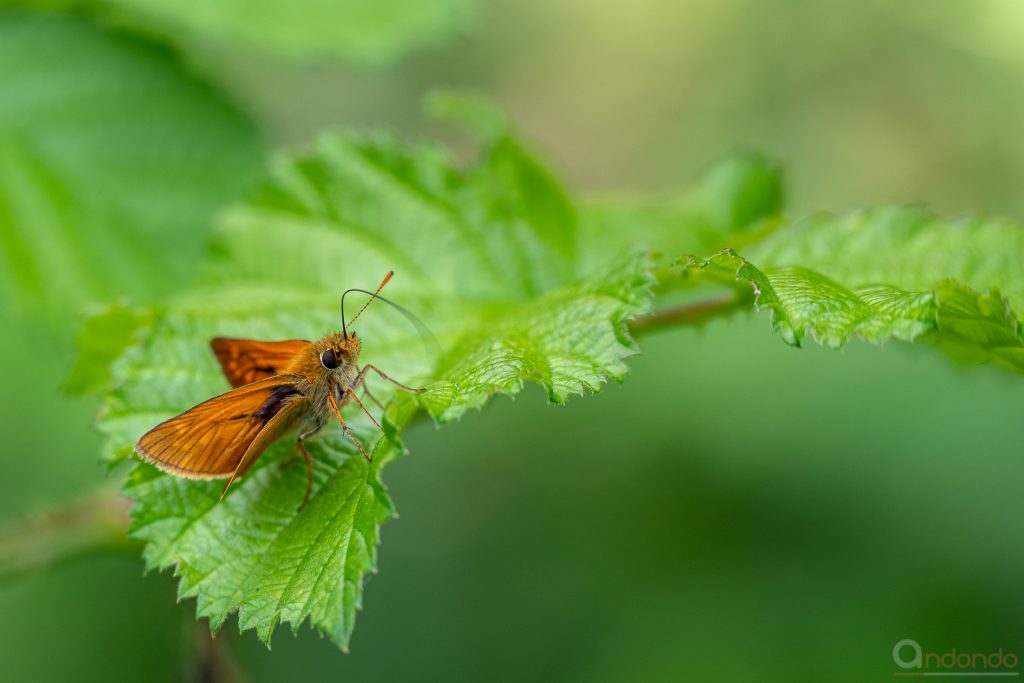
(246, 360)
(227, 432)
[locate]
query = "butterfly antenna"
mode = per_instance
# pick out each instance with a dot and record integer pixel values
(430, 344)
(344, 326)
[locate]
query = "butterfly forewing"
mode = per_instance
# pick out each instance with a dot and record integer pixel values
(248, 360)
(210, 440)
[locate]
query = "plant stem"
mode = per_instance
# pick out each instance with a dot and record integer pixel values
(686, 314)
(214, 663)
(43, 539)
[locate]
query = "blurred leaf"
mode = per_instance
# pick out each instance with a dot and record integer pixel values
(486, 255)
(104, 336)
(112, 160)
(734, 198)
(370, 32)
(475, 114)
(888, 273)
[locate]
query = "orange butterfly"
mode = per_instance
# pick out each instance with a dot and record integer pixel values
(279, 386)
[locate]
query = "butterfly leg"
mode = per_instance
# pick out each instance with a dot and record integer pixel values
(363, 408)
(345, 428)
(393, 381)
(367, 394)
(360, 381)
(309, 461)
(295, 453)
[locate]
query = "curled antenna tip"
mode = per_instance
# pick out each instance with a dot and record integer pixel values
(344, 325)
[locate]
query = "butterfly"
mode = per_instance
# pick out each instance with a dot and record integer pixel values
(279, 387)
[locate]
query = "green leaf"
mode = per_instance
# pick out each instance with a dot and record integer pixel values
(570, 341)
(888, 273)
(486, 255)
(734, 201)
(907, 247)
(252, 552)
(112, 160)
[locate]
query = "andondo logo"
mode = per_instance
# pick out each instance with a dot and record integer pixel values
(913, 660)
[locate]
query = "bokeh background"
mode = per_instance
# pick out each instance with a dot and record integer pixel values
(737, 510)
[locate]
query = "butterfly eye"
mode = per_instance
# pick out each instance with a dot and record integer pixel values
(329, 359)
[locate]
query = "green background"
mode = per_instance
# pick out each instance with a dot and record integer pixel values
(737, 510)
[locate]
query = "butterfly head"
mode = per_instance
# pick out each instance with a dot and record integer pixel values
(337, 350)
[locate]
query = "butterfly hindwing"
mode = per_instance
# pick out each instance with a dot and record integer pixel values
(210, 440)
(247, 360)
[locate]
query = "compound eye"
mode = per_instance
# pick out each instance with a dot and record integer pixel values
(329, 359)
